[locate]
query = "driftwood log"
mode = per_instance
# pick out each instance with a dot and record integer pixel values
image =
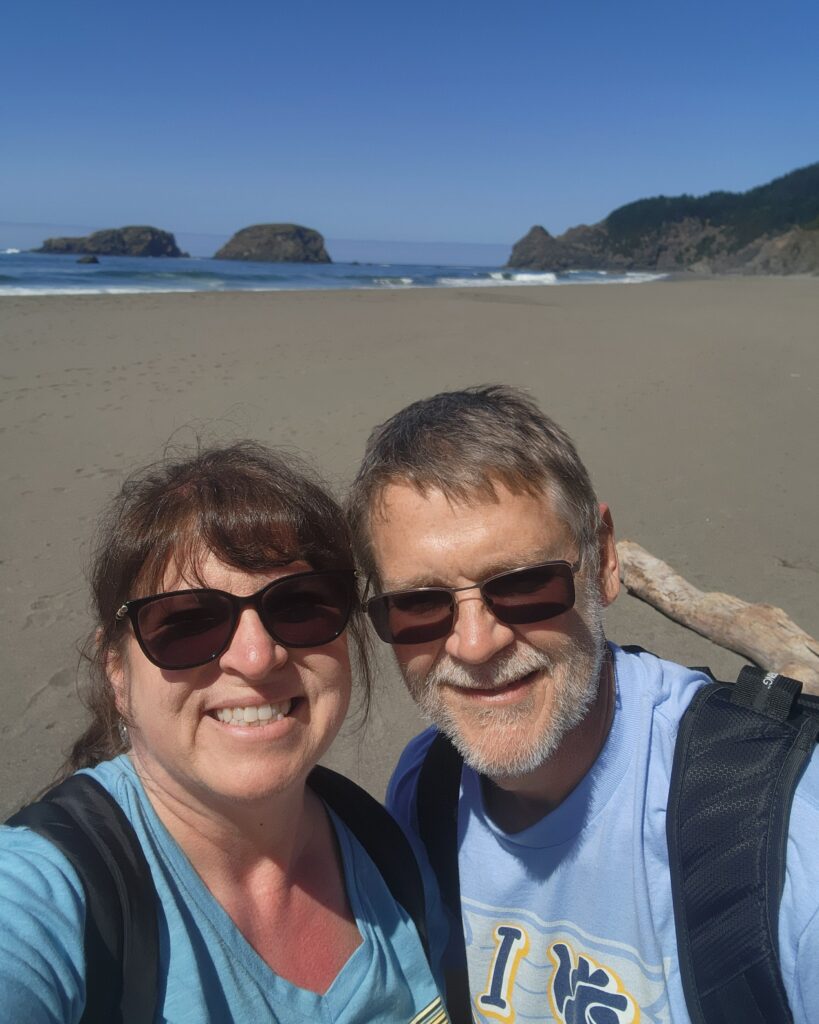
(760, 632)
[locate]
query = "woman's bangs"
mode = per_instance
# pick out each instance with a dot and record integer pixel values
(251, 539)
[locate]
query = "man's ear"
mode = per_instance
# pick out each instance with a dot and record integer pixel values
(609, 572)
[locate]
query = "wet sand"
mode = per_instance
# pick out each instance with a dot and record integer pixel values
(694, 403)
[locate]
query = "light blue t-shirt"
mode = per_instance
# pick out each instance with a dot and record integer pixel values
(571, 920)
(208, 972)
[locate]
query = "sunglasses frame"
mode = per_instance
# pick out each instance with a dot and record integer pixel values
(131, 609)
(574, 568)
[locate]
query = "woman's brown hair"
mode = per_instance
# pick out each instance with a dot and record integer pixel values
(251, 507)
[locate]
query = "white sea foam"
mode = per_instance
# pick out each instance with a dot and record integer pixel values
(50, 290)
(393, 282)
(641, 278)
(497, 279)
(542, 278)
(9, 252)
(632, 277)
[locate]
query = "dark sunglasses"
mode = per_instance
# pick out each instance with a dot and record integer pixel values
(534, 593)
(186, 628)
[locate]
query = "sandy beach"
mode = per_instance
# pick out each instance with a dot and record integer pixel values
(694, 403)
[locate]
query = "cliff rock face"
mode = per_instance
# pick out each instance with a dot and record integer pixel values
(275, 243)
(772, 229)
(795, 252)
(130, 241)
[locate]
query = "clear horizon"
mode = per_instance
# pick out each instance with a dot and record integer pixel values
(465, 124)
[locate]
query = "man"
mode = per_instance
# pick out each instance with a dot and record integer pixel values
(490, 565)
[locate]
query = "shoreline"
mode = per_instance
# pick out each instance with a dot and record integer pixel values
(695, 404)
(657, 277)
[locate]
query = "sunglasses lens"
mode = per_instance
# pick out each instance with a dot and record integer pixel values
(184, 630)
(310, 610)
(531, 595)
(414, 617)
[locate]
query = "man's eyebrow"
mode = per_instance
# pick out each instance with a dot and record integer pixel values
(488, 569)
(508, 564)
(409, 583)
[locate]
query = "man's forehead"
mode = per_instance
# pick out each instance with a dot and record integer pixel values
(434, 537)
(400, 495)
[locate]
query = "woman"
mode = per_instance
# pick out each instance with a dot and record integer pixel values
(220, 675)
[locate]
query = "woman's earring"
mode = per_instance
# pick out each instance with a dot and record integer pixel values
(122, 729)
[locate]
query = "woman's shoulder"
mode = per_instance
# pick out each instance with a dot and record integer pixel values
(47, 856)
(118, 777)
(42, 920)
(37, 879)
(32, 860)
(30, 863)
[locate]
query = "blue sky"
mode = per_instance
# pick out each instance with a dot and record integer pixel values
(422, 122)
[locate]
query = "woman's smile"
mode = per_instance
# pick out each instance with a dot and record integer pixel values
(253, 714)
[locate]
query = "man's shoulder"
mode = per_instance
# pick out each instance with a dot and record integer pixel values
(663, 688)
(400, 799)
(807, 791)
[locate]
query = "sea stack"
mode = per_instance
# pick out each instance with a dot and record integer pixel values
(128, 241)
(275, 243)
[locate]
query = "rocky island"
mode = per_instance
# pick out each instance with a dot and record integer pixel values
(772, 229)
(275, 243)
(128, 241)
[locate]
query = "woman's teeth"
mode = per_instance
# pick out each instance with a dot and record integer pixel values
(258, 714)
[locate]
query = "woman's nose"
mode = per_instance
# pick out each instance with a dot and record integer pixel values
(253, 653)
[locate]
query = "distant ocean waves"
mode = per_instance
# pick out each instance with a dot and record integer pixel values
(39, 274)
(529, 277)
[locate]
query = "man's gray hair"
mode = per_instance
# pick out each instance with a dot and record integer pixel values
(463, 443)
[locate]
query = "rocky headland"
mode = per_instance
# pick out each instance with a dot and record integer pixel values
(128, 241)
(772, 229)
(275, 243)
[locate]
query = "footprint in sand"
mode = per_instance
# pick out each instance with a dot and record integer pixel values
(94, 472)
(52, 608)
(61, 680)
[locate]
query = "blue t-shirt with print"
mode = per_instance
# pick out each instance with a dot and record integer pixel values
(571, 919)
(207, 969)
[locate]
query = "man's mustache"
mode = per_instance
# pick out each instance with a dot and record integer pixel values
(506, 668)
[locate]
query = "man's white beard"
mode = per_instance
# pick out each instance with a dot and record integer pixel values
(506, 746)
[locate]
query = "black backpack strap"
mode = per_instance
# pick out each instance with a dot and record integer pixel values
(383, 839)
(739, 755)
(439, 787)
(87, 825)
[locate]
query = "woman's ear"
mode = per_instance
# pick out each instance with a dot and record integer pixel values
(115, 673)
(609, 573)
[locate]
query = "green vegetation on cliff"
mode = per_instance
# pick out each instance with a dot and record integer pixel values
(786, 202)
(771, 229)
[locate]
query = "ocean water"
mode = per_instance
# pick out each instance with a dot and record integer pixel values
(25, 273)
